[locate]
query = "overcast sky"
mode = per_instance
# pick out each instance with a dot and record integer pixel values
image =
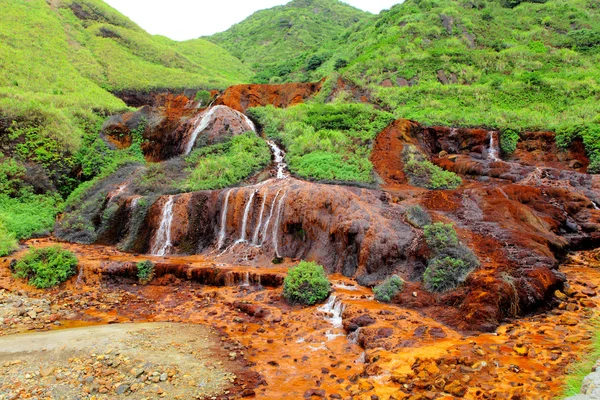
(189, 19)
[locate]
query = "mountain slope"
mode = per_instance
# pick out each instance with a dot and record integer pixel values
(277, 41)
(487, 63)
(59, 60)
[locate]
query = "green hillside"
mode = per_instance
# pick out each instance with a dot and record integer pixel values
(59, 61)
(498, 63)
(289, 41)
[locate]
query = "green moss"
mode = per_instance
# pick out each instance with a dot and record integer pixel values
(46, 267)
(306, 283)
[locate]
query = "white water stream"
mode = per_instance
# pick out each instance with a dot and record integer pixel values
(162, 239)
(222, 233)
(494, 149)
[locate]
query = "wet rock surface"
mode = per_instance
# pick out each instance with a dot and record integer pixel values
(291, 352)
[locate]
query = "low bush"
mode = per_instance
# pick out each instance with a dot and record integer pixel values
(509, 138)
(423, 173)
(389, 288)
(417, 216)
(145, 271)
(47, 267)
(306, 283)
(451, 261)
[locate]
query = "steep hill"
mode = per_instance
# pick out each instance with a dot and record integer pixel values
(500, 64)
(59, 61)
(278, 41)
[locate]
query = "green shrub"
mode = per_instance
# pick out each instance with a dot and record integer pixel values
(203, 97)
(423, 173)
(509, 138)
(451, 261)
(145, 271)
(389, 288)
(46, 267)
(417, 216)
(306, 283)
(8, 241)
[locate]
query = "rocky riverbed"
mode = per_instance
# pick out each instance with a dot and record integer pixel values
(361, 348)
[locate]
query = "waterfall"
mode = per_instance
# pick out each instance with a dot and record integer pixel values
(246, 279)
(223, 230)
(247, 120)
(264, 234)
(279, 159)
(245, 219)
(276, 227)
(79, 277)
(117, 192)
(204, 121)
(334, 309)
(595, 205)
(494, 147)
(260, 219)
(162, 240)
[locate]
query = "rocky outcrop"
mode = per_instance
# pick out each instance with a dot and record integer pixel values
(242, 97)
(168, 130)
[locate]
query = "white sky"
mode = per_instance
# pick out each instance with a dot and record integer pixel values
(189, 19)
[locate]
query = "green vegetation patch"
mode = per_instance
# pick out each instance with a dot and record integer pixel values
(579, 370)
(451, 260)
(417, 216)
(423, 173)
(388, 289)
(222, 165)
(46, 267)
(326, 141)
(145, 271)
(590, 135)
(306, 283)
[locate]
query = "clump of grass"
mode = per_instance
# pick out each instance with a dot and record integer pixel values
(46, 267)
(145, 271)
(579, 370)
(423, 173)
(417, 216)
(389, 288)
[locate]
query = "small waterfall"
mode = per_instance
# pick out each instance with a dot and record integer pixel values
(279, 159)
(204, 121)
(245, 219)
(246, 279)
(247, 120)
(223, 230)
(264, 234)
(276, 227)
(334, 308)
(79, 277)
(117, 192)
(162, 240)
(494, 149)
(260, 219)
(595, 205)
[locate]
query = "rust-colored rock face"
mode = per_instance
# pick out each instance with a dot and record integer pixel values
(242, 97)
(168, 129)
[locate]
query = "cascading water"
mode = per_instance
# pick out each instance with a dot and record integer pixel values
(276, 228)
(260, 220)
(333, 309)
(205, 119)
(79, 276)
(245, 219)
(222, 232)
(264, 234)
(279, 155)
(162, 239)
(246, 279)
(494, 149)
(595, 205)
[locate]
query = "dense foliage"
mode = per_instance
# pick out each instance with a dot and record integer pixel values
(145, 271)
(221, 165)
(451, 261)
(326, 141)
(423, 173)
(46, 267)
(279, 43)
(389, 288)
(306, 283)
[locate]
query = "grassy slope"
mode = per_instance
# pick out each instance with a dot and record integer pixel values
(57, 65)
(526, 68)
(277, 42)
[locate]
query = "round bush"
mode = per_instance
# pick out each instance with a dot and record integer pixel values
(145, 271)
(444, 274)
(306, 283)
(386, 291)
(46, 267)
